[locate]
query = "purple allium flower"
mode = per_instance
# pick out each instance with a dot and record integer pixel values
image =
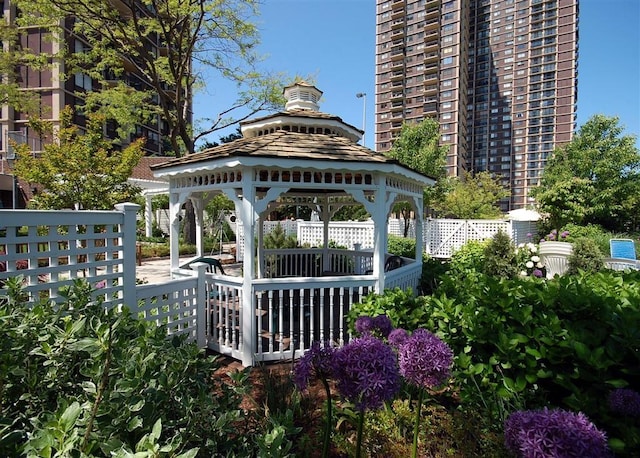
(382, 324)
(366, 372)
(317, 361)
(564, 234)
(425, 360)
(537, 273)
(557, 432)
(364, 325)
(397, 337)
(625, 401)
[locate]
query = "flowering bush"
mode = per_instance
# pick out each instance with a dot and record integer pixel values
(557, 432)
(529, 262)
(625, 401)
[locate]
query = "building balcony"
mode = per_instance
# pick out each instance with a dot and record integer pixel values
(399, 23)
(397, 65)
(433, 24)
(397, 53)
(397, 13)
(397, 76)
(431, 57)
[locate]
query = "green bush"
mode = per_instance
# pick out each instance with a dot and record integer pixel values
(500, 257)
(401, 246)
(470, 257)
(78, 380)
(586, 256)
(590, 231)
(565, 342)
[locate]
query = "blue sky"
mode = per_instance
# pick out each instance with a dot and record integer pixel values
(333, 42)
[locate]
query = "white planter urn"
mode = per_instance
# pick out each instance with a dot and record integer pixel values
(555, 257)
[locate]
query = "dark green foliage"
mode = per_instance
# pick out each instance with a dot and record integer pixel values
(591, 231)
(404, 309)
(500, 257)
(278, 239)
(78, 380)
(401, 246)
(586, 256)
(527, 343)
(432, 270)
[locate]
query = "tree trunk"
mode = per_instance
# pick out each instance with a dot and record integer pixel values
(189, 227)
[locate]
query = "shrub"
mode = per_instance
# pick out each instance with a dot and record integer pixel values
(401, 246)
(76, 379)
(590, 231)
(500, 257)
(470, 257)
(565, 342)
(586, 256)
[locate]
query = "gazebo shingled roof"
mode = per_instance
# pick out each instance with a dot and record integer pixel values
(284, 144)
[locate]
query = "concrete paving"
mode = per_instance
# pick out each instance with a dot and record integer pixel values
(154, 271)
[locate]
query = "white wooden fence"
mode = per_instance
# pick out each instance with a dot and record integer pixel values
(51, 249)
(441, 237)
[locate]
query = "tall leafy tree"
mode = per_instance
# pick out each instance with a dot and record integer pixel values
(474, 197)
(199, 39)
(417, 147)
(594, 179)
(78, 170)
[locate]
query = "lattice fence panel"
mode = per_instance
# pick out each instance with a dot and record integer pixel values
(52, 249)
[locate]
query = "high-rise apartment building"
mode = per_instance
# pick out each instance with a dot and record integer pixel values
(500, 76)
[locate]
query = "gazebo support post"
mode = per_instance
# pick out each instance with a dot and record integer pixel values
(379, 216)
(148, 215)
(249, 218)
(174, 230)
(260, 266)
(326, 216)
(419, 209)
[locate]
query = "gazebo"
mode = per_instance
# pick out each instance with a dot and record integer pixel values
(286, 299)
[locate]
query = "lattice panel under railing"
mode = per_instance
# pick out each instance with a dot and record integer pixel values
(172, 305)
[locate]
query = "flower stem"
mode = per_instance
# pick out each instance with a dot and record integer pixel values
(416, 427)
(359, 440)
(329, 420)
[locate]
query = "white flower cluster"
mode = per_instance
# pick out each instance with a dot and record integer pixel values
(532, 265)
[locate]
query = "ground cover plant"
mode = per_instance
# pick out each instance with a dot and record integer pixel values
(79, 380)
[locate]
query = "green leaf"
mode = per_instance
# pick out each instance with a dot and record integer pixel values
(70, 415)
(134, 423)
(617, 383)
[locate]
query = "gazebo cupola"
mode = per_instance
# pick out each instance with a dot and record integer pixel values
(301, 115)
(302, 96)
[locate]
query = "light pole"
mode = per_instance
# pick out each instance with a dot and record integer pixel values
(363, 96)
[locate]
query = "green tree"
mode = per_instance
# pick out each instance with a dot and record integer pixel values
(198, 38)
(474, 197)
(594, 179)
(78, 170)
(417, 148)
